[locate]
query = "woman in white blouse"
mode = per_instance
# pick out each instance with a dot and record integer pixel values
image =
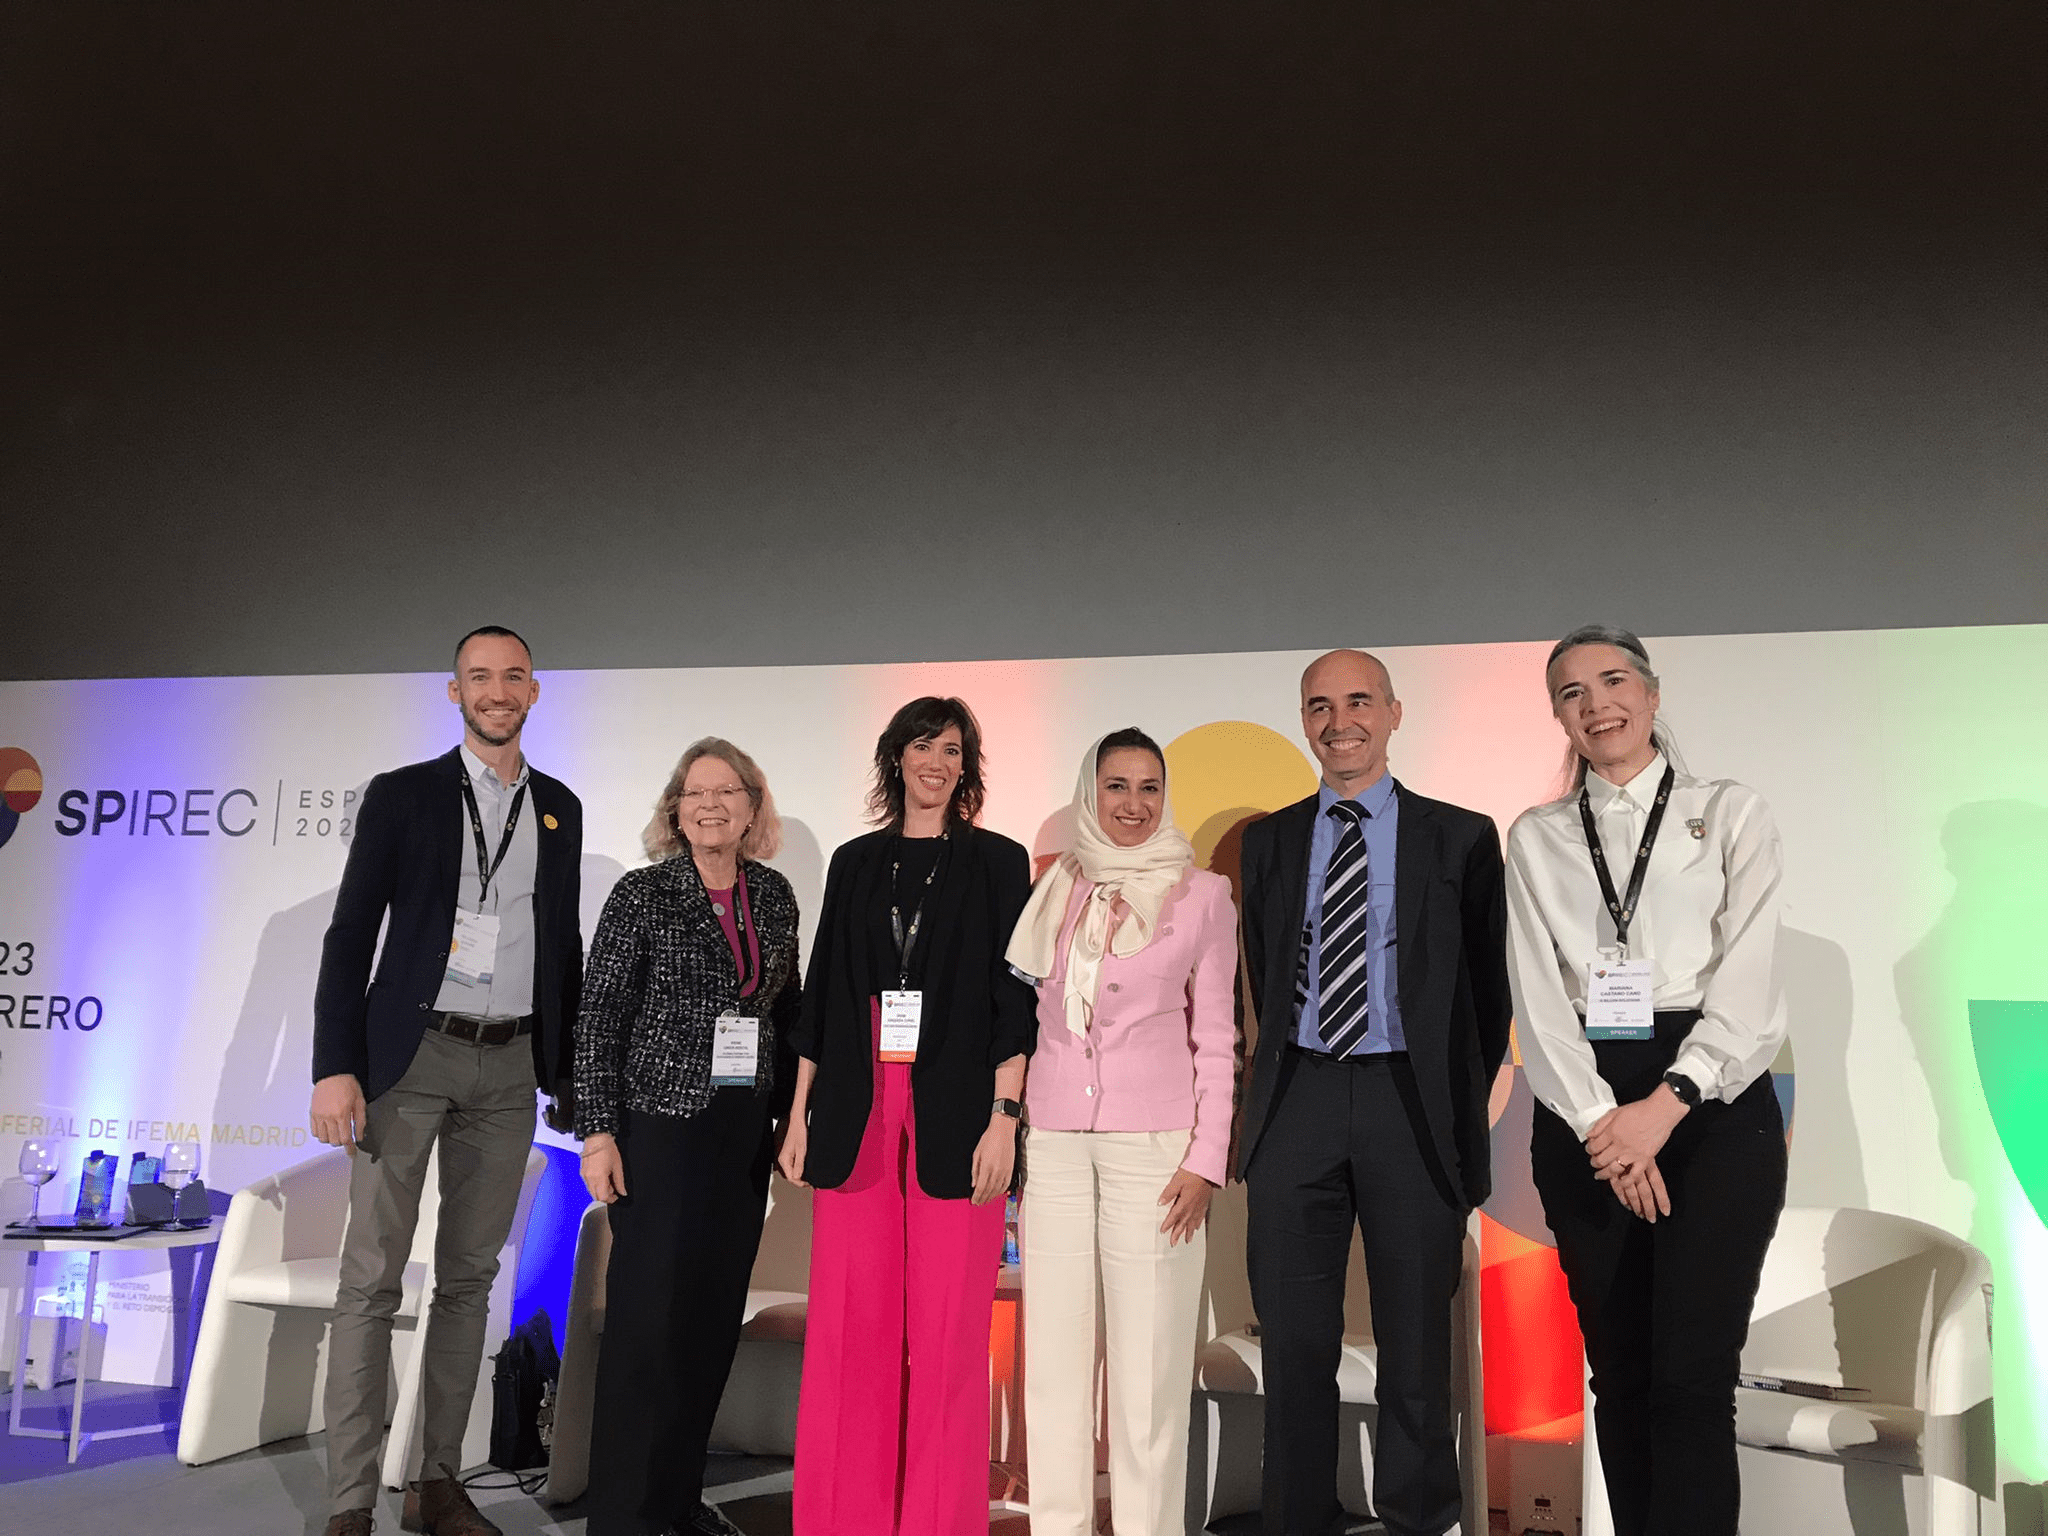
(1642, 932)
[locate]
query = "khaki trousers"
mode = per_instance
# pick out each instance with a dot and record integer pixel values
(477, 1100)
(1091, 1212)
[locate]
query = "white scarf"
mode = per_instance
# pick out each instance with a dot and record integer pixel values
(1140, 877)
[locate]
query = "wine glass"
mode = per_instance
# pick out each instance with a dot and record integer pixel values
(38, 1165)
(181, 1161)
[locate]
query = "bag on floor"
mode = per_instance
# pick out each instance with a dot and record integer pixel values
(523, 1396)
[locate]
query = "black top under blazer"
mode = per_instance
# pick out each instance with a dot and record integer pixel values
(977, 1013)
(660, 973)
(411, 836)
(1450, 928)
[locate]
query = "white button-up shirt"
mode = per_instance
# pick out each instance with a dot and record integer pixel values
(1707, 920)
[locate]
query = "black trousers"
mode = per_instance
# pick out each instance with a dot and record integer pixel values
(683, 1246)
(1665, 1307)
(1346, 1144)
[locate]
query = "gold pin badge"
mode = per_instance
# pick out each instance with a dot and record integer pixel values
(550, 823)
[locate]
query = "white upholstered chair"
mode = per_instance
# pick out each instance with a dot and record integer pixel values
(1227, 1429)
(1902, 1310)
(260, 1365)
(757, 1414)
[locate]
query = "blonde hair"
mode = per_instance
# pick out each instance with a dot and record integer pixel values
(663, 840)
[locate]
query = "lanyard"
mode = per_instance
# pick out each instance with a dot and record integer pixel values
(1623, 908)
(486, 866)
(907, 941)
(745, 954)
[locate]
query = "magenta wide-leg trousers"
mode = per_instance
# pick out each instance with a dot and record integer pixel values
(892, 1429)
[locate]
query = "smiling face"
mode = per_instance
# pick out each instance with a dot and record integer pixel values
(1606, 708)
(715, 810)
(494, 687)
(931, 770)
(1130, 790)
(1349, 714)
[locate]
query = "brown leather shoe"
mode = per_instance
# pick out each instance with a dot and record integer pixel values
(440, 1507)
(350, 1522)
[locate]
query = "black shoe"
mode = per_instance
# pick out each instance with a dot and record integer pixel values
(710, 1521)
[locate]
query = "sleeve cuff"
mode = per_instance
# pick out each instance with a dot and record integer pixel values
(1582, 1121)
(1208, 1161)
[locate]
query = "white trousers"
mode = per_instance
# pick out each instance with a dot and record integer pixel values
(1091, 1209)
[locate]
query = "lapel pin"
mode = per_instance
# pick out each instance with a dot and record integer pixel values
(1697, 826)
(550, 823)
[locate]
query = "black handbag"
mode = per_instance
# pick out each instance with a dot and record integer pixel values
(523, 1396)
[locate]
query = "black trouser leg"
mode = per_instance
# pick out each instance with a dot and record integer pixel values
(683, 1247)
(1413, 1229)
(1299, 1213)
(1343, 1146)
(1665, 1307)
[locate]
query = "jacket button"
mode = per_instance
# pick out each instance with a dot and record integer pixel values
(1087, 1050)
(1114, 987)
(1167, 931)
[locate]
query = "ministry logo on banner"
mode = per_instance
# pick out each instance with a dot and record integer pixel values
(21, 786)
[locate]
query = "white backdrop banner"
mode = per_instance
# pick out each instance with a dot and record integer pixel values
(170, 849)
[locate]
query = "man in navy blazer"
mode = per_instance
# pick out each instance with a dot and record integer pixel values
(470, 864)
(1375, 941)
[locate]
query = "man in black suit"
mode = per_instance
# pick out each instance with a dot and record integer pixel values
(476, 859)
(1375, 948)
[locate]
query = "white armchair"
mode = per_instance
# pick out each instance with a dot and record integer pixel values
(260, 1365)
(1855, 1298)
(1227, 1429)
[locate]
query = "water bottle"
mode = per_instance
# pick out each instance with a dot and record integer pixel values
(96, 1190)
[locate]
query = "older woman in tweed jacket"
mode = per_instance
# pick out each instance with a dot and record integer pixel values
(695, 958)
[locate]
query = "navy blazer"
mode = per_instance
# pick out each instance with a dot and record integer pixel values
(411, 836)
(1450, 927)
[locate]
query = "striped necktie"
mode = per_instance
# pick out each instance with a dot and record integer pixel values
(1341, 1014)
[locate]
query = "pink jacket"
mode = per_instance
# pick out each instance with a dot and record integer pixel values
(1161, 1054)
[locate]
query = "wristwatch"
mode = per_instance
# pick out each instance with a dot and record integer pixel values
(1685, 1088)
(1011, 1108)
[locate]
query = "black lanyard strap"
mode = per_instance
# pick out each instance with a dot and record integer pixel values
(906, 940)
(1623, 908)
(486, 866)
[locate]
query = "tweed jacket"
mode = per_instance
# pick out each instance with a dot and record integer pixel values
(660, 973)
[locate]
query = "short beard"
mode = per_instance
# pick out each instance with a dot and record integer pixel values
(476, 728)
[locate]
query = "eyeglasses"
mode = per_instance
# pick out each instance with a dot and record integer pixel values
(729, 793)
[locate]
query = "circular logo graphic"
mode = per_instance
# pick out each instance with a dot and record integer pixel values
(21, 786)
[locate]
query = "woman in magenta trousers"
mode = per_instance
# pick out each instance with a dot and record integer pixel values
(911, 1053)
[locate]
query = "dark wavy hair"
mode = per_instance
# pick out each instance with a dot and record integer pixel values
(1130, 737)
(915, 721)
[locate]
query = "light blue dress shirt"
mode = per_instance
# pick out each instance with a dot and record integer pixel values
(509, 993)
(1383, 999)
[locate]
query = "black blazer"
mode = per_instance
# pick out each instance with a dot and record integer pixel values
(659, 975)
(1450, 923)
(977, 1013)
(412, 834)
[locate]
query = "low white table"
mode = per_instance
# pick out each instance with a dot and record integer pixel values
(204, 1239)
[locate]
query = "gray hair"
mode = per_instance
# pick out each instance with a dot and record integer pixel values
(663, 840)
(1625, 641)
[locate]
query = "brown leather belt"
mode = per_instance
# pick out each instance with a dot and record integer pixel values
(461, 1026)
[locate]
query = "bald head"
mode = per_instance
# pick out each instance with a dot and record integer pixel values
(1341, 665)
(1349, 714)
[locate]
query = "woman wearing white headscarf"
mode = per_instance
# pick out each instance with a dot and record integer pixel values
(1129, 1102)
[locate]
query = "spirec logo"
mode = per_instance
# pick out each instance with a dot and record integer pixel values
(21, 786)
